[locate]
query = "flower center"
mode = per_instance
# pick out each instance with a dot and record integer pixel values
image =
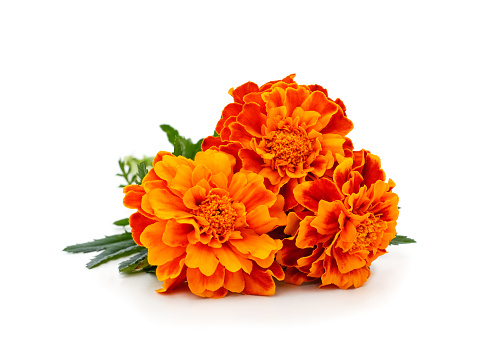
(368, 233)
(220, 215)
(289, 147)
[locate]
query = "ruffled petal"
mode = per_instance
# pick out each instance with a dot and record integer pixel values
(202, 257)
(309, 194)
(138, 223)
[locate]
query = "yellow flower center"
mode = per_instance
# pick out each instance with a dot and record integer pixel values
(368, 233)
(289, 147)
(220, 215)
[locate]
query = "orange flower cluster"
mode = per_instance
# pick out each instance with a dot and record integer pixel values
(280, 193)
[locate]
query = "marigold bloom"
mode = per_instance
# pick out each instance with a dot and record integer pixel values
(205, 224)
(283, 131)
(348, 222)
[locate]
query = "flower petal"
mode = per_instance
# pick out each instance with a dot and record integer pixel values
(252, 119)
(166, 205)
(216, 161)
(259, 282)
(171, 269)
(260, 221)
(177, 231)
(228, 258)
(138, 223)
(259, 246)
(201, 256)
(309, 194)
(234, 281)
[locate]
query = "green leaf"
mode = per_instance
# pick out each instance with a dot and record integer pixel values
(142, 171)
(136, 263)
(171, 133)
(122, 222)
(99, 244)
(185, 147)
(401, 239)
(216, 134)
(117, 251)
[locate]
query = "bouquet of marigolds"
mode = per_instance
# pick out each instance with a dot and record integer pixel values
(277, 194)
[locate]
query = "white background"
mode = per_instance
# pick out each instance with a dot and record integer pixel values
(83, 83)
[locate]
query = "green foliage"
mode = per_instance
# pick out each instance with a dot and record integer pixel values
(182, 146)
(122, 222)
(401, 239)
(112, 247)
(133, 169)
(137, 263)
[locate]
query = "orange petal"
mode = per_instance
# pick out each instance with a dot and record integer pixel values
(354, 278)
(177, 231)
(159, 253)
(317, 101)
(259, 282)
(347, 262)
(308, 236)
(251, 119)
(327, 220)
(228, 258)
(294, 98)
(198, 282)
(339, 123)
(171, 269)
(182, 181)
(166, 205)
(234, 281)
(194, 196)
(259, 246)
(166, 168)
(309, 194)
(202, 257)
(170, 283)
(133, 196)
(216, 162)
(240, 134)
(260, 221)
(243, 90)
(253, 193)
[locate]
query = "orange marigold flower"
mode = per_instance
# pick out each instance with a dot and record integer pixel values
(205, 224)
(283, 131)
(348, 222)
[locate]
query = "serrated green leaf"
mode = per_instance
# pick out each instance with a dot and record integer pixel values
(401, 239)
(99, 244)
(136, 263)
(171, 133)
(142, 171)
(122, 222)
(117, 251)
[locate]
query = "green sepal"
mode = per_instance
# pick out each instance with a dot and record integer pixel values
(401, 239)
(135, 264)
(122, 222)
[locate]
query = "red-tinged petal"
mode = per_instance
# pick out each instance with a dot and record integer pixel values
(294, 98)
(272, 175)
(342, 173)
(259, 246)
(251, 160)
(171, 269)
(166, 205)
(372, 171)
(321, 163)
(308, 236)
(290, 253)
(154, 184)
(316, 87)
(259, 282)
(252, 119)
(211, 142)
(170, 283)
(332, 275)
(347, 262)
(234, 281)
(177, 231)
(275, 98)
(138, 223)
(338, 124)
(202, 257)
(295, 277)
(347, 235)
(292, 225)
(310, 194)
(216, 162)
(243, 90)
(228, 258)
(287, 191)
(240, 134)
(276, 271)
(317, 101)
(326, 222)
(260, 221)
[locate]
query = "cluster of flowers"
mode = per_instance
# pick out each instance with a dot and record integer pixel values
(280, 193)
